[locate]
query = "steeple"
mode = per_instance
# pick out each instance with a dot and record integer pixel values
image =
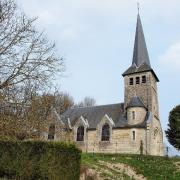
(140, 61)
(140, 54)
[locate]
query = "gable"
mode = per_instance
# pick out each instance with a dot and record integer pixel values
(93, 115)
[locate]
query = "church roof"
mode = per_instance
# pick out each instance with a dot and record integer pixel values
(136, 102)
(140, 62)
(95, 114)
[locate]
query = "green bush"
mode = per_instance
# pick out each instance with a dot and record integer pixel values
(39, 160)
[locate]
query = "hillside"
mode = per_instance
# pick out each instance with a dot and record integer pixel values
(99, 166)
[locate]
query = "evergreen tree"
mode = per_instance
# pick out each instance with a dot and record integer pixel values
(173, 131)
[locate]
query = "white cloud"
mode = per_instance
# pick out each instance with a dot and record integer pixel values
(105, 7)
(171, 58)
(71, 18)
(68, 34)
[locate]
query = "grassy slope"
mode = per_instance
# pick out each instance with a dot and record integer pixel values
(153, 168)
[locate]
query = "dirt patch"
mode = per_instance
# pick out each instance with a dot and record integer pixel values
(177, 164)
(123, 168)
(99, 172)
(109, 171)
(89, 174)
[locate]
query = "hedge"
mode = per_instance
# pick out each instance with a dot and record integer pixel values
(39, 160)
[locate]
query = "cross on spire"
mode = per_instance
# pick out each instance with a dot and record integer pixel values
(138, 7)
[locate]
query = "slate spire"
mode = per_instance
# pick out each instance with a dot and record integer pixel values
(140, 62)
(140, 54)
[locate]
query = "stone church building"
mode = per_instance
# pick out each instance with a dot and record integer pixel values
(130, 127)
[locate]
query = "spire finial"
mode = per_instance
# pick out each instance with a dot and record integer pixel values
(138, 7)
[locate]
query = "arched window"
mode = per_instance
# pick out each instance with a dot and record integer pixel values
(105, 136)
(131, 81)
(134, 135)
(143, 79)
(137, 80)
(51, 132)
(133, 114)
(80, 133)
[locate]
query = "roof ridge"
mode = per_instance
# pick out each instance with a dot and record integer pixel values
(96, 106)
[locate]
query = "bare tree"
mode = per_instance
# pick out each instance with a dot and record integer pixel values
(25, 120)
(25, 54)
(63, 101)
(27, 116)
(36, 114)
(28, 62)
(88, 101)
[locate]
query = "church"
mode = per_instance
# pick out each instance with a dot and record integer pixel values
(131, 127)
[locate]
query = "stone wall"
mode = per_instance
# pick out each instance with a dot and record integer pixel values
(121, 141)
(140, 114)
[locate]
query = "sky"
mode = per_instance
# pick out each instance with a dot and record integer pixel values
(96, 39)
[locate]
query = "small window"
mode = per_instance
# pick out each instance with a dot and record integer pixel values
(143, 79)
(130, 81)
(133, 115)
(137, 80)
(80, 133)
(134, 135)
(105, 136)
(51, 133)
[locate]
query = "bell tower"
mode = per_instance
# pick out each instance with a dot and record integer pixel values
(140, 79)
(141, 95)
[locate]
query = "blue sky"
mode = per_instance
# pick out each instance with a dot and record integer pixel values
(96, 38)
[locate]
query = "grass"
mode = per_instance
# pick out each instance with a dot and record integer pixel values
(151, 167)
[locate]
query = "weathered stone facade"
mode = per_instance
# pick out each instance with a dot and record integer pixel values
(121, 141)
(131, 127)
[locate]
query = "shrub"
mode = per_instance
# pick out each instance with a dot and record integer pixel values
(39, 160)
